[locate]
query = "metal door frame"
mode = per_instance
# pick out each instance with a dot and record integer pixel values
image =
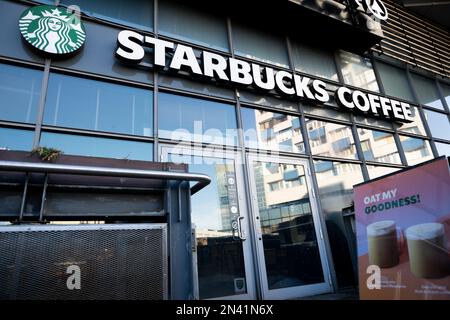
(298, 291)
(249, 268)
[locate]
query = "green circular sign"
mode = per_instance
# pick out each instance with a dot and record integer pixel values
(51, 29)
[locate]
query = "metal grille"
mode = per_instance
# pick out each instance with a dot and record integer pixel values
(127, 261)
(411, 39)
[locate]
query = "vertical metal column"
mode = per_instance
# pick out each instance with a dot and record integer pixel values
(421, 113)
(44, 194)
(398, 142)
(24, 197)
(246, 176)
(156, 156)
(315, 185)
(41, 105)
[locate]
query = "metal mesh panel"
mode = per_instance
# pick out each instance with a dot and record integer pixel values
(120, 262)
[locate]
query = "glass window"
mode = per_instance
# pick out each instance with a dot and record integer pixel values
(325, 111)
(443, 148)
(273, 131)
(95, 105)
(378, 146)
(12, 43)
(165, 80)
(357, 71)
(438, 123)
(287, 227)
(97, 56)
(259, 45)
(378, 171)
(220, 256)
(98, 147)
(395, 82)
(15, 139)
(331, 139)
(267, 100)
(19, 93)
(373, 122)
(414, 127)
(416, 150)
(135, 13)
(191, 119)
(335, 181)
(186, 23)
(427, 91)
(446, 93)
(314, 61)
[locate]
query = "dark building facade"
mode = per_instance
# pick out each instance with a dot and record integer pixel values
(283, 160)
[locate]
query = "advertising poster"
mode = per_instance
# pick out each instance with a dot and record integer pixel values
(403, 234)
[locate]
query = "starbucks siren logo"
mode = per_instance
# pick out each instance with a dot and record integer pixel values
(51, 29)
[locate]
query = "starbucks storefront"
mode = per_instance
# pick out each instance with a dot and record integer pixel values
(283, 123)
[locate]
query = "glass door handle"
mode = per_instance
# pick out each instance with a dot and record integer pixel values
(241, 233)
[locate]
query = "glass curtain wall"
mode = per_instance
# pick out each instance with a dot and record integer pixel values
(95, 106)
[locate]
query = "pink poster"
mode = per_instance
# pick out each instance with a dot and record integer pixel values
(403, 234)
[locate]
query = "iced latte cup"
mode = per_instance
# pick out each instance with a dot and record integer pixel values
(382, 242)
(428, 255)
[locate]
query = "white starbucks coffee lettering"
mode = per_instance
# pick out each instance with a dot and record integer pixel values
(374, 104)
(176, 57)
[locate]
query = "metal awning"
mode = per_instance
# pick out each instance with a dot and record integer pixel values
(201, 179)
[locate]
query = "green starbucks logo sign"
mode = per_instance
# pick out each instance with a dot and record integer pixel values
(52, 29)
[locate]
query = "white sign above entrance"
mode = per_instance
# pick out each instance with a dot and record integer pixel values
(227, 70)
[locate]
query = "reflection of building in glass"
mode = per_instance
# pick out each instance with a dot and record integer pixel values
(212, 215)
(291, 253)
(225, 214)
(357, 71)
(336, 180)
(202, 235)
(378, 146)
(222, 196)
(413, 127)
(278, 131)
(259, 182)
(416, 150)
(282, 193)
(331, 139)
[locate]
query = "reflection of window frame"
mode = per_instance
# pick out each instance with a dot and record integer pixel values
(379, 135)
(321, 136)
(410, 144)
(366, 147)
(277, 184)
(341, 145)
(389, 158)
(300, 181)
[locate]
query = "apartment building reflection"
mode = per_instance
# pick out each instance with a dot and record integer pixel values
(289, 240)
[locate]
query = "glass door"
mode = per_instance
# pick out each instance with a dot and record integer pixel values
(291, 252)
(224, 261)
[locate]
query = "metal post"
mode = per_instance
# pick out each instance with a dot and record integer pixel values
(44, 194)
(41, 105)
(24, 197)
